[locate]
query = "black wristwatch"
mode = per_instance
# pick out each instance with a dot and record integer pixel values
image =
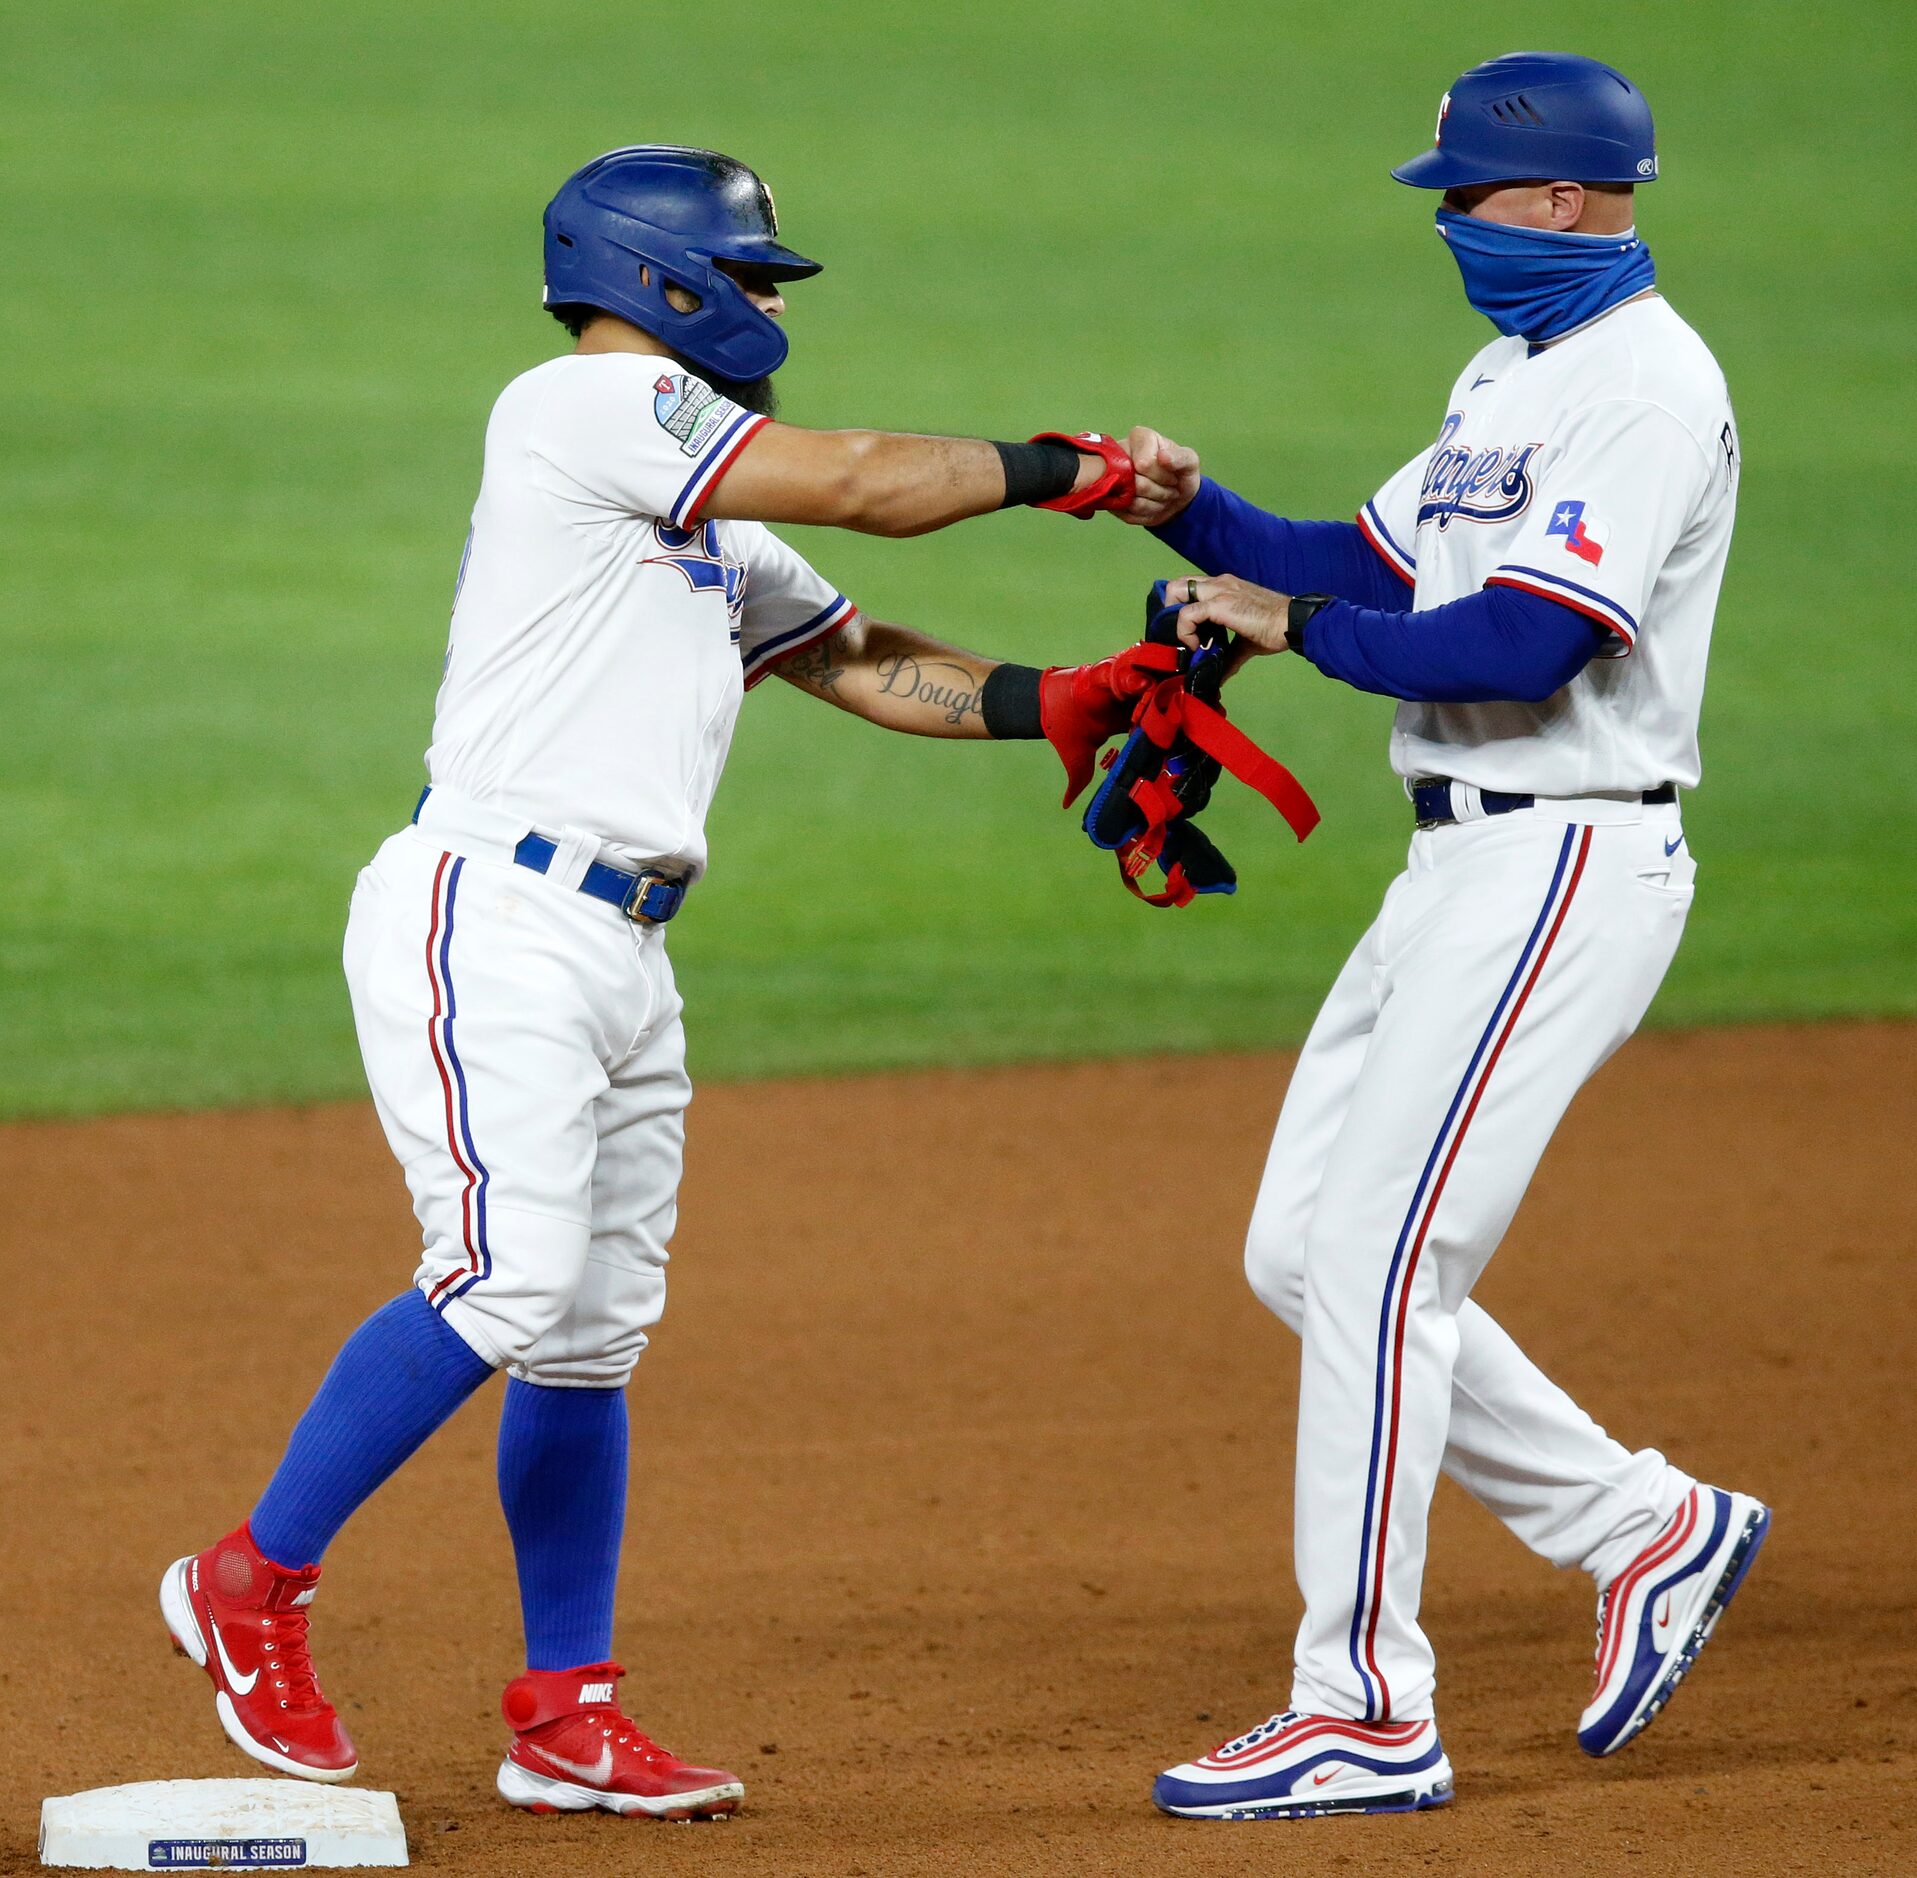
(1303, 607)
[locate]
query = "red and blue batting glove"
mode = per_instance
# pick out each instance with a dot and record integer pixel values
(1113, 489)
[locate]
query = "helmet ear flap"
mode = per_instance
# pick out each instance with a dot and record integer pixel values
(723, 334)
(670, 285)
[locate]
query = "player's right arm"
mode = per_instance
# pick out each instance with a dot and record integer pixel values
(878, 482)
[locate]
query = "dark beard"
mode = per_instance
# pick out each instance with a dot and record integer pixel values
(758, 395)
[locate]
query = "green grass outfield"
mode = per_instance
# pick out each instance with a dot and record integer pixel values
(267, 266)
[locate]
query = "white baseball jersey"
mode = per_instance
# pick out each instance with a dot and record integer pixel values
(602, 633)
(1600, 472)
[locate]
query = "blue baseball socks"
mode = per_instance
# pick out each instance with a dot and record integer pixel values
(562, 1470)
(562, 1482)
(397, 1377)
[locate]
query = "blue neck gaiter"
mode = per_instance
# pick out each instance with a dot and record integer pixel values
(1539, 284)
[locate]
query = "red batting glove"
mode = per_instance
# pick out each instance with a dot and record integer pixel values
(1114, 489)
(1082, 707)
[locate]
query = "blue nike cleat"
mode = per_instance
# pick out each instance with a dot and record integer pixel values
(1302, 1766)
(1655, 1616)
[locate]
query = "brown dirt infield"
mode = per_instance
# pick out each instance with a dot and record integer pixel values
(962, 1466)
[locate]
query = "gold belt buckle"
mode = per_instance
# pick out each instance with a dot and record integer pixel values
(644, 880)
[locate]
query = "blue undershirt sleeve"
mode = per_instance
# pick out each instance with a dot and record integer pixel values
(1224, 534)
(1496, 644)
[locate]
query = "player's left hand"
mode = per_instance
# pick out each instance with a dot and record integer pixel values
(1082, 707)
(1256, 614)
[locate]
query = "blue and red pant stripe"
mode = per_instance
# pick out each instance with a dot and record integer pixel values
(452, 1079)
(1412, 1235)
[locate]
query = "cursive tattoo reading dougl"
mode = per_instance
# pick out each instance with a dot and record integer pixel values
(902, 676)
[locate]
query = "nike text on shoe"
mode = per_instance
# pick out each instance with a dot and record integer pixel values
(573, 1749)
(243, 1620)
(1655, 1615)
(1302, 1766)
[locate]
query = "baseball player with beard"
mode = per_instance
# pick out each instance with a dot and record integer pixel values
(506, 951)
(1536, 587)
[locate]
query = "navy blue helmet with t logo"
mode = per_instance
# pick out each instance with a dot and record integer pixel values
(1538, 117)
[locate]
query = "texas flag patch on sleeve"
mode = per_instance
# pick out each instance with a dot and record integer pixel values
(1584, 539)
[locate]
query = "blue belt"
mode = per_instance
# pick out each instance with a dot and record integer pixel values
(1431, 800)
(647, 898)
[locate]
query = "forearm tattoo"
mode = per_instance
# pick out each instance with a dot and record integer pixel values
(930, 682)
(820, 666)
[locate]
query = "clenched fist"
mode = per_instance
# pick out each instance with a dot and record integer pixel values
(1167, 478)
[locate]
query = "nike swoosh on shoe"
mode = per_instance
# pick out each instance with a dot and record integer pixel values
(238, 1684)
(595, 1774)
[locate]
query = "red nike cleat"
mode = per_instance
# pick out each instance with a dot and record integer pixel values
(243, 1620)
(573, 1749)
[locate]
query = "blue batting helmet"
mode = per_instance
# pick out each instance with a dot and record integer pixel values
(1538, 116)
(674, 212)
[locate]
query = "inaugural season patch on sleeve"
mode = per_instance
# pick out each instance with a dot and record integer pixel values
(688, 410)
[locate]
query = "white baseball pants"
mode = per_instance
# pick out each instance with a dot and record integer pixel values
(1509, 960)
(524, 1048)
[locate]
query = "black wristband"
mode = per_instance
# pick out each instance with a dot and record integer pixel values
(1299, 615)
(1036, 472)
(1008, 701)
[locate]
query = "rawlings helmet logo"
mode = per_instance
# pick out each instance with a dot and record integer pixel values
(1444, 110)
(1488, 485)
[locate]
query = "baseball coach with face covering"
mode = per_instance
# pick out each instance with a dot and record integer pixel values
(1536, 588)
